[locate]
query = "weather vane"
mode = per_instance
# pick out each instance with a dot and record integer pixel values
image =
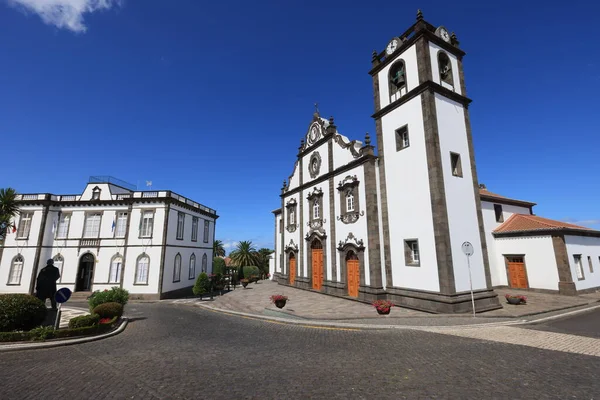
(317, 108)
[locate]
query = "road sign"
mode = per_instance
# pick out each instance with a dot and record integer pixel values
(62, 295)
(468, 249)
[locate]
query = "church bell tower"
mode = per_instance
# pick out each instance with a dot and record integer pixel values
(430, 202)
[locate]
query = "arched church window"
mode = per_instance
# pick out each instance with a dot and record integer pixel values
(445, 68)
(349, 201)
(397, 80)
(316, 210)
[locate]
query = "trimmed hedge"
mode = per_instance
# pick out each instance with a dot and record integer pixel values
(43, 333)
(202, 284)
(250, 272)
(84, 320)
(218, 266)
(109, 310)
(20, 312)
(114, 295)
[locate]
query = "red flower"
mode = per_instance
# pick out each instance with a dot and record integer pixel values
(105, 320)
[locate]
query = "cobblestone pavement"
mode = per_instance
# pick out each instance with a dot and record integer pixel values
(67, 313)
(585, 324)
(179, 352)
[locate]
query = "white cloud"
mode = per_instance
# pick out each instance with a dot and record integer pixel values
(66, 14)
(583, 222)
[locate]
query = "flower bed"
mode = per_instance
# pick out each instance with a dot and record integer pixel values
(45, 333)
(515, 299)
(383, 306)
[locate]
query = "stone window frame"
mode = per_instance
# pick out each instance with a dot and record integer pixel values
(136, 281)
(315, 159)
(192, 271)
(590, 264)
(116, 221)
(401, 135)
(206, 231)
(177, 268)
(195, 224)
(291, 207)
(110, 268)
(499, 213)
(578, 266)
(315, 198)
(63, 217)
(96, 193)
(14, 261)
(408, 252)
(85, 222)
(393, 89)
(358, 248)
(23, 230)
(448, 76)
(204, 263)
(179, 236)
(456, 165)
(151, 226)
(350, 185)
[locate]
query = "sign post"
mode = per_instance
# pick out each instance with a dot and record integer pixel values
(468, 249)
(61, 296)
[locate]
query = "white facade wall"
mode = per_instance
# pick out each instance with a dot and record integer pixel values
(342, 155)
(288, 237)
(540, 261)
(435, 70)
(412, 75)
(460, 195)
(409, 198)
(358, 228)
(294, 180)
(324, 154)
(586, 247)
(497, 270)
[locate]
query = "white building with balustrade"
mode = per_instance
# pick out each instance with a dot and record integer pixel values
(152, 243)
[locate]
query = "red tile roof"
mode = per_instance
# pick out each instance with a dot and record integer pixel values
(487, 195)
(528, 223)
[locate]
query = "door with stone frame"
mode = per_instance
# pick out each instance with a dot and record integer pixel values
(353, 272)
(517, 274)
(317, 264)
(292, 266)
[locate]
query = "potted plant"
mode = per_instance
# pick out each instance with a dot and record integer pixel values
(279, 300)
(515, 299)
(244, 282)
(383, 307)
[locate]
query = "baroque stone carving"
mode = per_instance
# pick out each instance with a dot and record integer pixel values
(350, 217)
(291, 247)
(348, 181)
(317, 192)
(316, 223)
(350, 145)
(351, 240)
(314, 165)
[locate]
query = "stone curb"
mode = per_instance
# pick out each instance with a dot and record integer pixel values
(317, 323)
(65, 342)
(563, 315)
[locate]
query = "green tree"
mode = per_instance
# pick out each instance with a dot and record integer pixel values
(218, 266)
(244, 254)
(218, 249)
(8, 210)
(263, 256)
(202, 284)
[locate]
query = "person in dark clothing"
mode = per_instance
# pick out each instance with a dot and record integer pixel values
(46, 283)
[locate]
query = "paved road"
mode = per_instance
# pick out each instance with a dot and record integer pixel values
(182, 352)
(587, 324)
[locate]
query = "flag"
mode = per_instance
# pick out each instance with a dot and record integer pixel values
(113, 226)
(14, 228)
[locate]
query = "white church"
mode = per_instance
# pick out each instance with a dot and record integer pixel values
(391, 225)
(153, 243)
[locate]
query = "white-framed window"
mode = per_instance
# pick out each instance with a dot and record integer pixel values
(292, 217)
(62, 232)
(578, 266)
(96, 193)
(350, 201)
(192, 269)
(16, 270)
(116, 266)
(411, 252)
(141, 270)
(92, 225)
(206, 231)
(402, 139)
(414, 247)
(177, 268)
(316, 210)
(59, 262)
(194, 229)
(121, 224)
(204, 263)
(24, 225)
(590, 264)
(180, 225)
(147, 223)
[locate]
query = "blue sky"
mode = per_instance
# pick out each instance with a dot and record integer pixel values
(211, 99)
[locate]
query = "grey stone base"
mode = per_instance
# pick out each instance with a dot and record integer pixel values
(335, 288)
(437, 303)
(280, 278)
(589, 290)
(567, 288)
(302, 283)
(369, 294)
(144, 296)
(177, 293)
(564, 288)
(548, 291)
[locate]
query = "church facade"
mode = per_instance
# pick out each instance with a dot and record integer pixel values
(392, 225)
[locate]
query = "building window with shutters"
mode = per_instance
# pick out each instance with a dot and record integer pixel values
(121, 225)
(349, 200)
(116, 265)
(16, 270)
(146, 224)
(91, 227)
(412, 255)
(177, 268)
(194, 229)
(192, 267)
(180, 225)
(204, 263)
(63, 226)
(578, 267)
(24, 225)
(206, 229)
(142, 269)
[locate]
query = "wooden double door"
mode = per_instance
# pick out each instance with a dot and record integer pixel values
(517, 275)
(292, 268)
(353, 274)
(317, 264)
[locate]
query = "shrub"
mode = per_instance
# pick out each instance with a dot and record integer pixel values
(251, 273)
(42, 333)
(202, 284)
(218, 265)
(20, 312)
(109, 310)
(84, 321)
(114, 295)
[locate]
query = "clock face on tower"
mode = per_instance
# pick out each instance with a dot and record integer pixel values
(443, 33)
(314, 133)
(392, 46)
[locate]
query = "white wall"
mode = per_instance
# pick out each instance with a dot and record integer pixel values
(185, 253)
(497, 270)
(409, 198)
(460, 195)
(289, 236)
(358, 228)
(540, 260)
(412, 75)
(294, 180)
(433, 51)
(342, 154)
(586, 246)
(324, 154)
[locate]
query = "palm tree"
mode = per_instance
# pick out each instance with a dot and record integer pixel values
(263, 256)
(244, 254)
(8, 210)
(218, 249)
